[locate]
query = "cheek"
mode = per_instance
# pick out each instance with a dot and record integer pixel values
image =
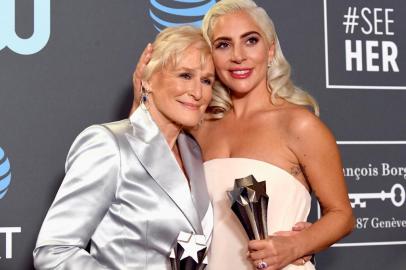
(259, 56)
(160, 94)
(219, 59)
(221, 70)
(175, 88)
(207, 94)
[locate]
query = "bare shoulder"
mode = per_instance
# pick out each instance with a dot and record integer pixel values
(303, 123)
(307, 133)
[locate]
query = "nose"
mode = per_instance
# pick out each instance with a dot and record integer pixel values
(238, 55)
(197, 89)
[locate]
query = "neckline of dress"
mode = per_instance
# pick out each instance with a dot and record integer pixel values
(294, 179)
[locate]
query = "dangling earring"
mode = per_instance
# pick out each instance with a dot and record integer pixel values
(269, 64)
(144, 98)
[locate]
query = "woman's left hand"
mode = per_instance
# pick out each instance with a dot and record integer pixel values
(273, 253)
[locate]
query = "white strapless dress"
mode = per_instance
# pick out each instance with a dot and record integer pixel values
(289, 202)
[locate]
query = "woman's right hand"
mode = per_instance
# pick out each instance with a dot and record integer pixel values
(137, 75)
(278, 250)
(298, 227)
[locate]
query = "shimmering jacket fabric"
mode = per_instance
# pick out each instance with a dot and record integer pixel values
(125, 193)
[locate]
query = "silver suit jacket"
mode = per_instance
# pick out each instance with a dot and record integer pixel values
(125, 193)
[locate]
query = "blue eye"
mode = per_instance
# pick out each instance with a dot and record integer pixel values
(206, 81)
(186, 76)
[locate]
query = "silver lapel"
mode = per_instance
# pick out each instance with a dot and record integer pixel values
(155, 155)
(192, 160)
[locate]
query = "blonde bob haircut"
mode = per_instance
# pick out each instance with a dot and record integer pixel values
(169, 46)
(278, 76)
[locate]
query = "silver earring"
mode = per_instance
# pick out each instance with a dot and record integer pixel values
(144, 98)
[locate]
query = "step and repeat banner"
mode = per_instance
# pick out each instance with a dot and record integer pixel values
(65, 65)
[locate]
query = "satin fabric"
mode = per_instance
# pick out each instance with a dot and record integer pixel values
(125, 193)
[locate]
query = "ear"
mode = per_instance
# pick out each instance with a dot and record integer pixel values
(271, 52)
(146, 85)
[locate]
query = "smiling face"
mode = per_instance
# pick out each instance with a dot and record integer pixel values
(181, 92)
(240, 52)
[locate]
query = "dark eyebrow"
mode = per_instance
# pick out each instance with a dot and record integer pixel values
(242, 36)
(250, 33)
(222, 38)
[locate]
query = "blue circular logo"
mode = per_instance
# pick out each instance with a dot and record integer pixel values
(165, 13)
(5, 174)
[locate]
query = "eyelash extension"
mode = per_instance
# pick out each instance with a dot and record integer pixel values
(254, 38)
(220, 44)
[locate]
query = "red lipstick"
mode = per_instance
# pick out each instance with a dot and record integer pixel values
(240, 73)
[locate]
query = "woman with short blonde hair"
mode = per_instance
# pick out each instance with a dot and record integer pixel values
(132, 186)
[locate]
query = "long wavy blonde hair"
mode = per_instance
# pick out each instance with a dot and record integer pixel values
(278, 76)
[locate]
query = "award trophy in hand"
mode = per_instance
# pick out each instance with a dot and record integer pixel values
(189, 252)
(249, 203)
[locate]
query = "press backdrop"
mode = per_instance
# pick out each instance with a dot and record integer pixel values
(65, 65)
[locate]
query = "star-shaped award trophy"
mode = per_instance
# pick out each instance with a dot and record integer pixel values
(249, 203)
(189, 253)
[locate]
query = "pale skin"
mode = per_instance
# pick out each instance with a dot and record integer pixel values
(284, 134)
(178, 95)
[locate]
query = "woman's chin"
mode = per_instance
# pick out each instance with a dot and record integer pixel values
(188, 118)
(188, 124)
